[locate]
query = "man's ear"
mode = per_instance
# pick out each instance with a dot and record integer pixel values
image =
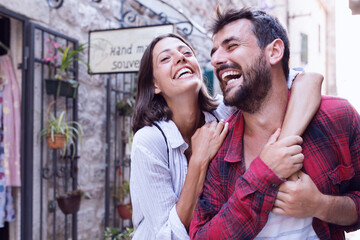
(275, 51)
(156, 88)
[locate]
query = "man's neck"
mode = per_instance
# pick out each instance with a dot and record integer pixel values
(259, 126)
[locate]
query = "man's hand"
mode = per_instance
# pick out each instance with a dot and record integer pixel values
(298, 197)
(284, 157)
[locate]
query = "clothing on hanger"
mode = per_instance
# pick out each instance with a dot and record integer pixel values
(12, 118)
(7, 212)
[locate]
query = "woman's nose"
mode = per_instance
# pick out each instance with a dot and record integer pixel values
(179, 58)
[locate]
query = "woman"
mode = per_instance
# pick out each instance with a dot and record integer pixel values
(178, 130)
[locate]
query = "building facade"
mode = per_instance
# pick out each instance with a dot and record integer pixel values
(102, 157)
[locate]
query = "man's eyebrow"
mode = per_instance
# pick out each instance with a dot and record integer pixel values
(226, 41)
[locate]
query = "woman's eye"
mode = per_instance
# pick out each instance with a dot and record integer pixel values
(164, 59)
(188, 53)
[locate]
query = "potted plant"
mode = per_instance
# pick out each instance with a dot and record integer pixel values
(69, 203)
(62, 83)
(118, 234)
(122, 194)
(125, 106)
(60, 132)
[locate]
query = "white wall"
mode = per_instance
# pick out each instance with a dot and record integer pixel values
(347, 52)
(307, 17)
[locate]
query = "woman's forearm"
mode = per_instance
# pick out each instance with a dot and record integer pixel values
(304, 102)
(189, 194)
(206, 141)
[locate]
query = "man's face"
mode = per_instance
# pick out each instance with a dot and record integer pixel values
(241, 66)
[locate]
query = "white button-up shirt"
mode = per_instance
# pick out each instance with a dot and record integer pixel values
(157, 180)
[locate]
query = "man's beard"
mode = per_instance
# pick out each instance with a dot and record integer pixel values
(254, 89)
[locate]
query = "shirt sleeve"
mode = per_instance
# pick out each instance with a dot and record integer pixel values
(293, 72)
(223, 111)
(243, 215)
(352, 170)
(154, 200)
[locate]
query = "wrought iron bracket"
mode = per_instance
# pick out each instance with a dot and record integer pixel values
(128, 19)
(55, 3)
(58, 3)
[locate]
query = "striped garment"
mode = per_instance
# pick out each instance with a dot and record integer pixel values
(280, 227)
(155, 187)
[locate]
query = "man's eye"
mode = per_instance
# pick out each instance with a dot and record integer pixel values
(232, 46)
(188, 53)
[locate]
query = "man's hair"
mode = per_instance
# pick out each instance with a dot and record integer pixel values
(151, 107)
(265, 27)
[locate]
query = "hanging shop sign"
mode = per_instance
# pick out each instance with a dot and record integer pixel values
(120, 50)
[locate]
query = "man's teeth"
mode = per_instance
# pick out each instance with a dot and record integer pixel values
(184, 72)
(232, 80)
(230, 73)
(230, 76)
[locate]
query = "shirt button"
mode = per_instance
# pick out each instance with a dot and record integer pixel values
(266, 211)
(273, 185)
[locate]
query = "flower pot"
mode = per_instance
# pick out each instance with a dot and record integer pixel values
(61, 87)
(58, 143)
(69, 204)
(125, 112)
(125, 210)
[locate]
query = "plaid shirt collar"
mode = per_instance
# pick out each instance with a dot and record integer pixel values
(235, 148)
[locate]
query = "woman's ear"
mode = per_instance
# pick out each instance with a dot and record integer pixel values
(156, 88)
(275, 51)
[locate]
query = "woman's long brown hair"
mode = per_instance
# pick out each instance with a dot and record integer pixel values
(151, 107)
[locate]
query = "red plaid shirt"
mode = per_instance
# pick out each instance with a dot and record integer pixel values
(235, 203)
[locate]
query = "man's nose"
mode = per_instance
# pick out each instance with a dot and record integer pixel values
(218, 58)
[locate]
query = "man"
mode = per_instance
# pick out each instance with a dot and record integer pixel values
(246, 197)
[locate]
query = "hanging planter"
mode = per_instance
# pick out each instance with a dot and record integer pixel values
(125, 106)
(125, 210)
(62, 84)
(70, 202)
(123, 192)
(58, 142)
(63, 88)
(59, 129)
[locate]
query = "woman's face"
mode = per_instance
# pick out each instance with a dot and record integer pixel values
(175, 68)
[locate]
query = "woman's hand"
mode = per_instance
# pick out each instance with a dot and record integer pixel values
(284, 156)
(207, 140)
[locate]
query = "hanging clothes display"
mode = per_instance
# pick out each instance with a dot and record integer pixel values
(7, 212)
(9, 138)
(11, 116)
